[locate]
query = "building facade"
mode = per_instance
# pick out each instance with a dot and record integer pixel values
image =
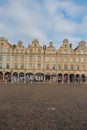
(39, 63)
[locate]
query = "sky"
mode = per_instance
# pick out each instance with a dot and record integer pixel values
(45, 20)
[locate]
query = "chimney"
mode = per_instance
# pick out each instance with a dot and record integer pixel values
(70, 45)
(44, 47)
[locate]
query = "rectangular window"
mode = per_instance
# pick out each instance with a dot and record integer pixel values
(0, 58)
(47, 66)
(77, 67)
(8, 58)
(8, 50)
(30, 66)
(65, 59)
(7, 66)
(15, 66)
(59, 67)
(0, 65)
(39, 58)
(47, 59)
(59, 59)
(30, 58)
(65, 67)
(77, 59)
(71, 59)
(53, 59)
(82, 59)
(71, 67)
(1, 50)
(22, 66)
(31, 51)
(22, 58)
(16, 58)
(83, 67)
(38, 66)
(53, 67)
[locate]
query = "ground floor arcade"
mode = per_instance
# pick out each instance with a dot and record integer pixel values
(41, 77)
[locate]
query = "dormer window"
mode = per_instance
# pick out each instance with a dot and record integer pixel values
(81, 51)
(65, 51)
(31, 51)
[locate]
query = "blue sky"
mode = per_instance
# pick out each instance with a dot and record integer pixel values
(45, 20)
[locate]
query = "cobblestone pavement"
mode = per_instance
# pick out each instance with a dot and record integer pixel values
(43, 106)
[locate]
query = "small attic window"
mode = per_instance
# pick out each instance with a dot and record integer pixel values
(31, 51)
(51, 44)
(19, 43)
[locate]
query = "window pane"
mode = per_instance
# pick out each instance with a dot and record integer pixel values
(0, 58)
(53, 59)
(47, 59)
(15, 66)
(1, 50)
(7, 57)
(7, 66)
(65, 67)
(59, 67)
(38, 66)
(65, 59)
(71, 67)
(53, 67)
(0, 65)
(30, 58)
(39, 58)
(30, 66)
(47, 66)
(22, 66)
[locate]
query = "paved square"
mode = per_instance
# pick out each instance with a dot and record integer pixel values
(43, 106)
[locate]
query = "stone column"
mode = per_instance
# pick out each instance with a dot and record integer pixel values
(3, 76)
(18, 78)
(44, 77)
(24, 77)
(11, 77)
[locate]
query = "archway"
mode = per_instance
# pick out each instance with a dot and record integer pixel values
(47, 76)
(59, 77)
(1, 76)
(39, 77)
(65, 78)
(21, 77)
(77, 78)
(72, 78)
(29, 77)
(15, 76)
(83, 78)
(8, 76)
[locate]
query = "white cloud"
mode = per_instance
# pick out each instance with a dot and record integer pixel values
(43, 20)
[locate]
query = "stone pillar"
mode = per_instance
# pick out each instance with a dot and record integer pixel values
(18, 77)
(24, 77)
(62, 78)
(11, 77)
(3, 76)
(44, 77)
(68, 79)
